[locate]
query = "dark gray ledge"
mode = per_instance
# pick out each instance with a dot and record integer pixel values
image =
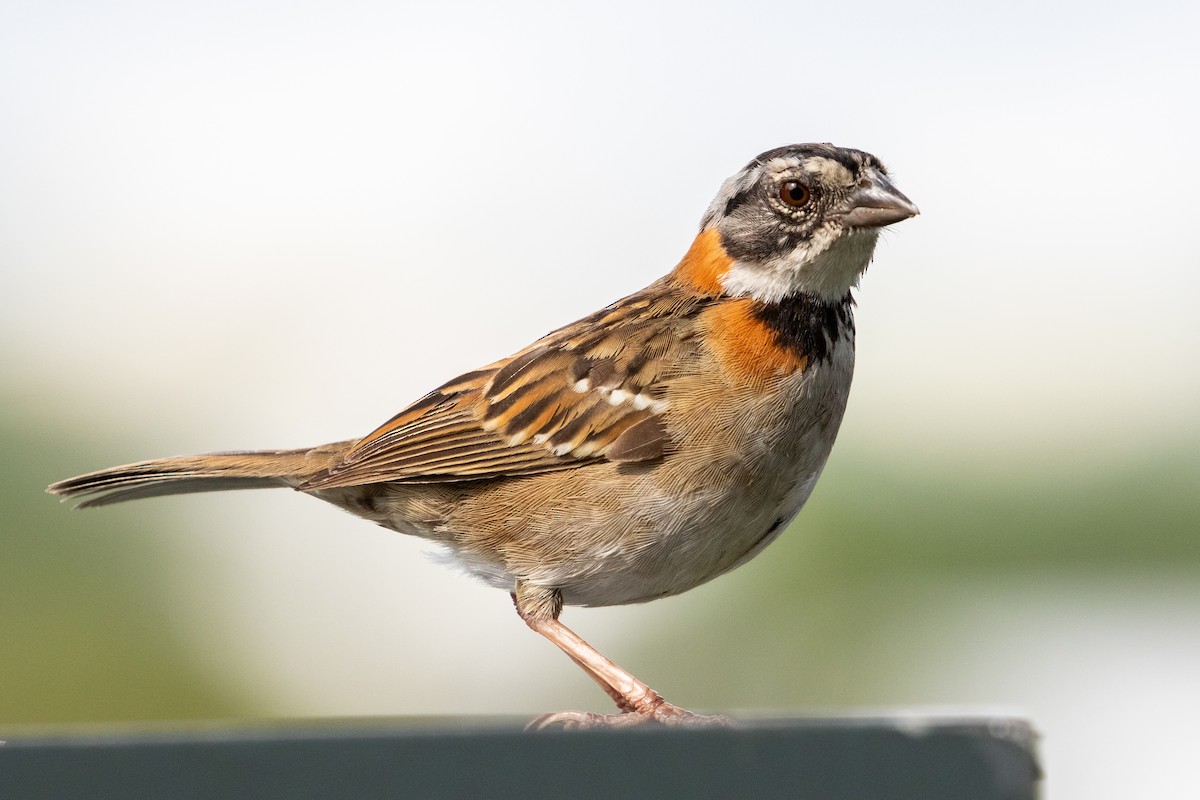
(827, 758)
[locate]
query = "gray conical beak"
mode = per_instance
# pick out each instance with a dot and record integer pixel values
(877, 204)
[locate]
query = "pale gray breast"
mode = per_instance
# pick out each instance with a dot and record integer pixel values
(704, 518)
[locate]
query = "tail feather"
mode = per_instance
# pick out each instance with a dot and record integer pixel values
(204, 473)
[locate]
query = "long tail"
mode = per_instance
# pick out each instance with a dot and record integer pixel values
(205, 473)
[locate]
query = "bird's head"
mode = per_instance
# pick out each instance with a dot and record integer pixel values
(801, 219)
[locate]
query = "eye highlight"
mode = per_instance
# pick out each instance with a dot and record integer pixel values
(794, 194)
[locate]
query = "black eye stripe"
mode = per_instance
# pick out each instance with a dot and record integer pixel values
(737, 200)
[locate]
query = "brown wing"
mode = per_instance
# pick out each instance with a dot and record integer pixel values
(592, 390)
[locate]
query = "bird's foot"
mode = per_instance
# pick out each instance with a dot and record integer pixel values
(661, 714)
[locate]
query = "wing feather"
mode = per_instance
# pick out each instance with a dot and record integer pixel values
(591, 390)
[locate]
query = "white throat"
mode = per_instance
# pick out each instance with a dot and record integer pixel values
(826, 269)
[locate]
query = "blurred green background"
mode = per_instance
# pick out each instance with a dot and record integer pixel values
(890, 576)
(87, 637)
(258, 224)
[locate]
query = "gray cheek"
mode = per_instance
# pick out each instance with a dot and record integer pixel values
(756, 234)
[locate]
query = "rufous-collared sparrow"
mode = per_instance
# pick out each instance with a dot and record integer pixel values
(636, 453)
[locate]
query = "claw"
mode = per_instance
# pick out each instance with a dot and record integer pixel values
(663, 714)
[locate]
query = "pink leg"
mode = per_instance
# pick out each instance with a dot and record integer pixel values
(638, 703)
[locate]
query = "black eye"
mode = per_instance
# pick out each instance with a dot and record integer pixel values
(794, 194)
